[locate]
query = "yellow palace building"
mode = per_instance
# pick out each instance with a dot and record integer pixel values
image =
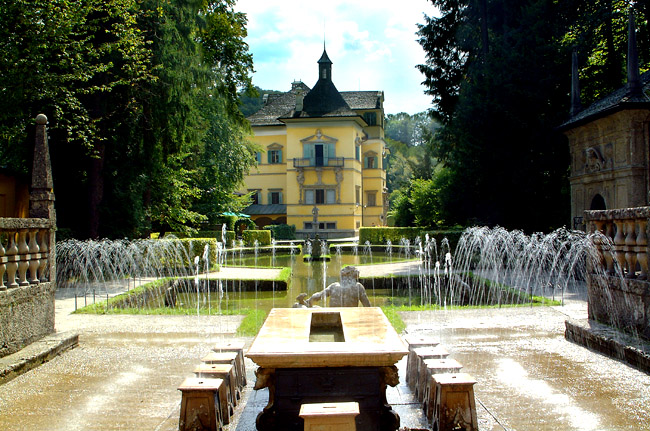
(322, 164)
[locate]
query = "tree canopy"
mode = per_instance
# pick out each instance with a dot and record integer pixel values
(499, 74)
(141, 97)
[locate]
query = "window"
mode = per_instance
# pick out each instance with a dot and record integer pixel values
(329, 225)
(358, 195)
(275, 197)
(320, 196)
(371, 199)
(357, 153)
(255, 197)
(319, 154)
(370, 162)
(370, 118)
(275, 156)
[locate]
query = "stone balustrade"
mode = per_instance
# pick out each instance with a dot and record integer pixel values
(25, 245)
(624, 245)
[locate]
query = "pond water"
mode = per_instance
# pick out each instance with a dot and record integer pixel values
(307, 277)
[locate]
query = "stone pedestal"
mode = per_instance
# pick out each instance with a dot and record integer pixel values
(235, 346)
(200, 408)
(421, 354)
(414, 342)
(455, 407)
(329, 416)
(227, 397)
(431, 367)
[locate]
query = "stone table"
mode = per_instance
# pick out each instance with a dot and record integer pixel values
(318, 355)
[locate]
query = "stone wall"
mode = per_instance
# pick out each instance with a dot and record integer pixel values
(620, 302)
(26, 315)
(619, 289)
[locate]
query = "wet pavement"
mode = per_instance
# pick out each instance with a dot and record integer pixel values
(125, 372)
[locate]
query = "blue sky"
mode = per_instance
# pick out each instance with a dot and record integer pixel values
(372, 45)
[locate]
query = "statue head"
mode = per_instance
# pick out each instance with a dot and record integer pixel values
(350, 272)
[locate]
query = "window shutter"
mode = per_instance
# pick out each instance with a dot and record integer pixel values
(268, 156)
(331, 196)
(279, 156)
(258, 157)
(269, 196)
(309, 197)
(281, 201)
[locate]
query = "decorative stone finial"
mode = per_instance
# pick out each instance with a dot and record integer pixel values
(633, 75)
(41, 119)
(576, 105)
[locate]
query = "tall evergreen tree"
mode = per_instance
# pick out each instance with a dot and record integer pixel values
(499, 73)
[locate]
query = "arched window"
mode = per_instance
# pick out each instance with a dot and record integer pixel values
(598, 203)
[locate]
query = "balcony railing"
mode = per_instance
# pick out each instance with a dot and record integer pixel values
(24, 251)
(625, 246)
(331, 162)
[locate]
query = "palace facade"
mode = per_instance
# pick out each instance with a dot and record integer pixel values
(322, 161)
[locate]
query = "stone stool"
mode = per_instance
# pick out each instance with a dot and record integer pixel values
(431, 367)
(330, 416)
(422, 353)
(200, 406)
(224, 358)
(415, 341)
(235, 346)
(227, 396)
(455, 407)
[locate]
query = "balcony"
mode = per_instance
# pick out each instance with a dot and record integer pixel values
(318, 162)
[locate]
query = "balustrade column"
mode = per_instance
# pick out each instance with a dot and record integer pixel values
(598, 227)
(12, 265)
(609, 252)
(630, 248)
(23, 263)
(619, 245)
(3, 265)
(34, 260)
(642, 249)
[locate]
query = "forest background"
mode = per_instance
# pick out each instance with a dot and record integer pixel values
(145, 100)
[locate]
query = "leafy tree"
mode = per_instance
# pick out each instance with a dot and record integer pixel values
(252, 101)
(142, 101)
(410, 129)
(501, 90)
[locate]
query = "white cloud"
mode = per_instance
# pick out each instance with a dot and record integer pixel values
(371, 43)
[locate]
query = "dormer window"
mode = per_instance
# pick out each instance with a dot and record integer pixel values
(370, 118)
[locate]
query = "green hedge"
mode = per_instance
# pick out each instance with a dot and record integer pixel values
(263, 237)
(196, 246)
(380, 235)
(282, 231)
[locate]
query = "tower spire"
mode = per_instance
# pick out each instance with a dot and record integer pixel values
(324, 66)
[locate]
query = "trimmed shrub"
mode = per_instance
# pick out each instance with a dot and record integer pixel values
(380, 235)
(196, 246)
(282, 231)
(263, 237)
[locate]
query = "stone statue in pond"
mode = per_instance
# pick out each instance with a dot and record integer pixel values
(346, 293)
